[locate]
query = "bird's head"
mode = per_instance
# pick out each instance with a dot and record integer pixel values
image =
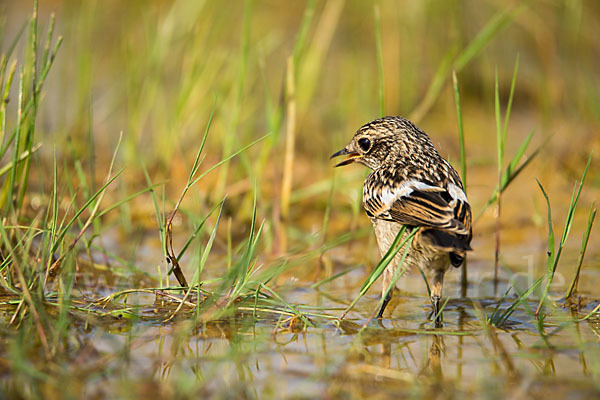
(382, 141)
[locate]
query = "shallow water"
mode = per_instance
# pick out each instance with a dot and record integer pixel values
(247, 359)
(136, 352)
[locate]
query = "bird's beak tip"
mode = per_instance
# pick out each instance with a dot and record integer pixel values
(339, 153)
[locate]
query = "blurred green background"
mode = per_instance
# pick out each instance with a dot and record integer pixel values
(154, 71)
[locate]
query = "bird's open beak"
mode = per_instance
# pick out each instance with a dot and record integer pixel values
(350, 157)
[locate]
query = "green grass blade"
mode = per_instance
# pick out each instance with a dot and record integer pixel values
(383, 263)
(499, 137)
(591, 313)
(427, 287)
(510, 98)
(398, 243)
(573, 205)
(10, 189)
(494, 26)
(334, 277)
(197, 160)
(160, 220)
(49, 35)
(463, 170)
(5, 99)
(99, 192)
(55, 207)
(584, 243)
(207, 248)
(522, 297)
(551, 240)
(461, 134)
(127, 199)
(288, 305)
(457, 62)
(228, 158)
(13, 45)
(24, 155)
(495, 316)
(511, 172)
(397, 273)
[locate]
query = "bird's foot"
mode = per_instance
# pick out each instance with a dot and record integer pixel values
(383, 306)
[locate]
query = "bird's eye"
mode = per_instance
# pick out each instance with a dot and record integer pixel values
(364, 144)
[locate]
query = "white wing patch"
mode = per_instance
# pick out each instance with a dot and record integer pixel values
(457, 193)
(390, 196)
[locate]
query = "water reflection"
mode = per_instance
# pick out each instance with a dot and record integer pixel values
(245, 358)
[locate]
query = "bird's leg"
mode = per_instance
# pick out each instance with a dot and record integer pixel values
(435, 301)
(436, 295)
(384, 305)
(387, 280)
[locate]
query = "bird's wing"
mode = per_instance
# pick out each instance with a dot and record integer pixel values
(415, 203)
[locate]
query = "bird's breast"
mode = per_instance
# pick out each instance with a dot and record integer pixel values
(420, 255)
(385, 232)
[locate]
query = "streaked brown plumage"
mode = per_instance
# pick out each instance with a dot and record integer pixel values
(412, 185)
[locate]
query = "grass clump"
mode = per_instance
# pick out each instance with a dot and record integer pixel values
(500, 316)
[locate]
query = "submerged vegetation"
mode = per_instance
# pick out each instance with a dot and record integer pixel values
(171, 224)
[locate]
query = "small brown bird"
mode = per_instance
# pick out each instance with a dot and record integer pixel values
(412, 185)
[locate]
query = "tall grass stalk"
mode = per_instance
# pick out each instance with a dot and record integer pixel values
(461, 133)
(6, 84)
(12, 182)
(463, 171)
(500, 145)
(168, 229)
(32, 80)
(290, 140)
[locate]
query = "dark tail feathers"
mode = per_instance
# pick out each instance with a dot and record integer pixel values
(456, 259)
(456, 245)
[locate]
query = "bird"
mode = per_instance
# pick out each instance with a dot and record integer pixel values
(411, 185)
